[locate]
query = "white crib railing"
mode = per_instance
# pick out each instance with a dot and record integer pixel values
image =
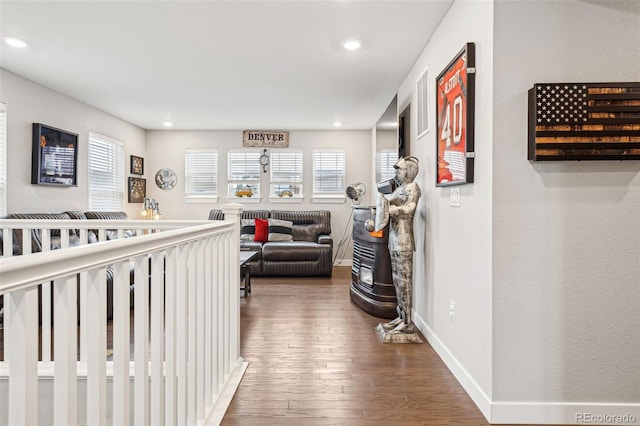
(185, 351)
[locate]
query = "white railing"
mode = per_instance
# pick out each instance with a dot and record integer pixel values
(185, 351)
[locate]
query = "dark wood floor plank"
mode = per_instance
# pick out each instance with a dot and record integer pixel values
(315, 359)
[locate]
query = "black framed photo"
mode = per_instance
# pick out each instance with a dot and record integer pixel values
(137, 165)
(455, 99)
(137, 189)
(54, 156)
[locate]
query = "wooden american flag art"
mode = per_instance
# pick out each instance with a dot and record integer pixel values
(584, 121)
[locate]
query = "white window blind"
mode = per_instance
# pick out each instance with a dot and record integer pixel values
(286, 173)
(106, 173)
(328, 172)
(3, 160)
(244, 173)
(384, 167)
(201, 173)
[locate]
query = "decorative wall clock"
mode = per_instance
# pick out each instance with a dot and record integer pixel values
(166, 179)
(264, 161)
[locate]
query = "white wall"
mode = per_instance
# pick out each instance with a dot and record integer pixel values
(27, 103)
(541, 259)
(453, 255)
(566, 235)
(165, 149)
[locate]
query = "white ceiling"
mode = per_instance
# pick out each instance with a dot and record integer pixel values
(222, 64)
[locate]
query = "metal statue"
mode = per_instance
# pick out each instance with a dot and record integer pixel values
(398, 209)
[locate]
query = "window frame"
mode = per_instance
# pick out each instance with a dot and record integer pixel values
(204, 197)
(119, 168)
(274, 195)
(3, 159)
(337, 196)
(382, 158)
(254, 168)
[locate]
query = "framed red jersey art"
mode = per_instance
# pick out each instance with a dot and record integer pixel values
(455, 87)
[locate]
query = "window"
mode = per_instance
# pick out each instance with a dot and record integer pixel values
(201, 175)
(106, 173)
(286, 173)
(244, 173)
(384, 164)
(328, 174)
(3, 160)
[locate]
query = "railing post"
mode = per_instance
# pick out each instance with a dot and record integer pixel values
(22, 327)
(233, 212)
(97, 342)
(121, 339)
(65, 384)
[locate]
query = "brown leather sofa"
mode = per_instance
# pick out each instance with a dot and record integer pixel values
(309, 253)
(74, 240)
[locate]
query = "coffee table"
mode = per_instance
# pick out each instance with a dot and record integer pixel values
(245, 270)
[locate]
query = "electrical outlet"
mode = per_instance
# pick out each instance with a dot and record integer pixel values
(452, 311)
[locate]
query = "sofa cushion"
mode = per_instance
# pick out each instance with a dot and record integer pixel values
(290, 251)
(216, 214)
(255, 214)
(247, 229)
(262, 230)
(76, 214)
(280, 230)
(307, 225)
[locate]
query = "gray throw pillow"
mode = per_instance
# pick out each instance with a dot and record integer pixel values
(280, 230)
(247, 229)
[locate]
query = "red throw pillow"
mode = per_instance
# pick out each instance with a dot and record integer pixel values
(262, 231)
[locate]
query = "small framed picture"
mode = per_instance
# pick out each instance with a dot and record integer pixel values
(137, 189)
(137, 165)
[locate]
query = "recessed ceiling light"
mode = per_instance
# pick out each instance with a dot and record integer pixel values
(15, 42)
(167, 124)
(352, 44)
(337, 123)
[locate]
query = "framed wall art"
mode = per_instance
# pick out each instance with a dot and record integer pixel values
(137, 165)
(584, 121)
(455, 98)
(137, 189)
(54, 156)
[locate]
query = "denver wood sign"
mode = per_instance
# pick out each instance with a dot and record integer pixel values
(265, 138)
(584, 121)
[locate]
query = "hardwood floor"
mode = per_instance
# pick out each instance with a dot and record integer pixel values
(315, 359)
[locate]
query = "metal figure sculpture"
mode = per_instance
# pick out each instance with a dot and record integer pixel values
(398, 209)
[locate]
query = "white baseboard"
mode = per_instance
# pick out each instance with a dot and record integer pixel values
(500, 412)
(479, 397)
